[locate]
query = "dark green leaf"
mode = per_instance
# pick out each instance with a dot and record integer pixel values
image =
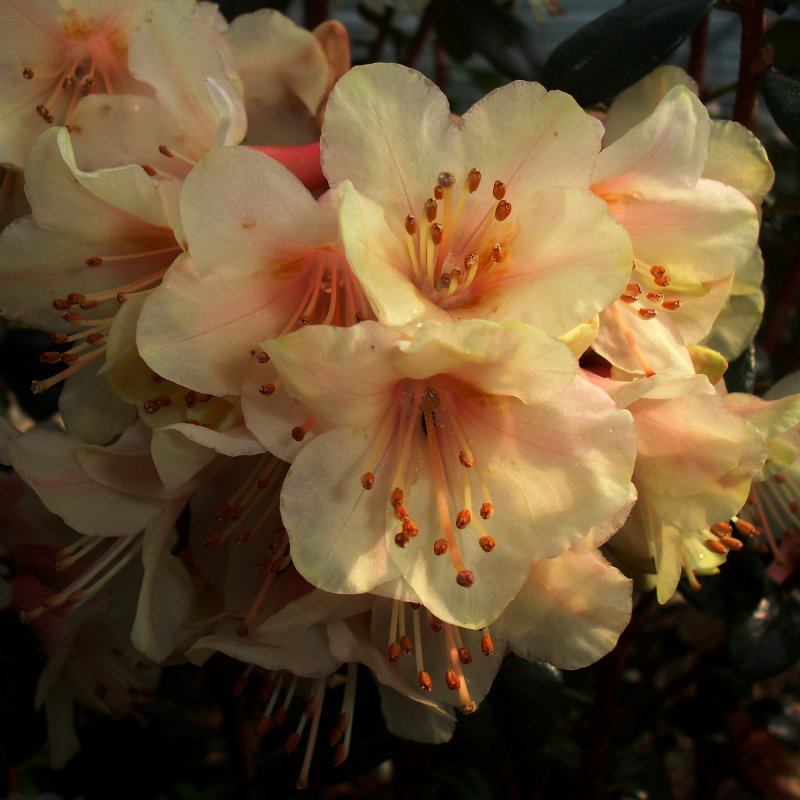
(735, 592)
(788, 205)
(527, 700)
(782, 93)
(741, 373)
(767, 641)
(494, 31)
(784, 36)
(621, 46)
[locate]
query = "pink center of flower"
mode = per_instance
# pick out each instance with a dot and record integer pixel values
(458, 247)
(92, 59)
(426, 431)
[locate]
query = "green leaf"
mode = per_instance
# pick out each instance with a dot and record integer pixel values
(495, 32)
(766, 642)
(621, 46)
(527, 700)
(782, 93)
(741, 373)
(784, 36)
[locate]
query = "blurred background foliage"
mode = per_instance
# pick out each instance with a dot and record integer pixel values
(700, 698)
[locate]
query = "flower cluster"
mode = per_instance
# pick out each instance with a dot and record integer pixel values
(349, 380)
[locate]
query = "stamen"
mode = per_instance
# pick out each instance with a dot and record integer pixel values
(629, 338)
(302, 779)
(503, 211)
(455, 675)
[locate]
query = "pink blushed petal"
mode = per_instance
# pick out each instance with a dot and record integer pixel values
(262, 215)
(570, 612)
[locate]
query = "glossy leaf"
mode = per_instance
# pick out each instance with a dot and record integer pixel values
(767, 642)
(784, 38)
(782, 93)
(621, 46)
(494, 31)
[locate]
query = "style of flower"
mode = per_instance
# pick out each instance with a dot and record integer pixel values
(488, 217)
(453, 457)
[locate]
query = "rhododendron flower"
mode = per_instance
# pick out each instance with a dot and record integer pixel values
(52, 56)
(94, 239)
(569, 613)
(264, 259)
(488, 217)
(697, 456)
(691, 230)
(466, 426)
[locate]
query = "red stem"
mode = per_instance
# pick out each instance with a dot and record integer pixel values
(750, 70)
(697, 52)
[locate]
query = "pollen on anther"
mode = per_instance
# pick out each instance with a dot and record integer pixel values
(662, 280)
(406, 645)
(411, 224)
(657, 271)
(440, 547)
(503, 210)
(393, 652)
(94, 261)
(149, 170)
(646, 313)
(499, 190)
(368, 480)
(165, 151)
(452, 680)
(487, 510)
(298, 433)
(487, 646)
(267, 388)
(497, 252)
(487, 543)
(400, 539)
(473, 180)
(425, 683)
(671, 305)
(465, 578)
(262, 357)
(446, 179)
(28, 74)
(464, 655)
(655, 297)
(470, 261)
(437, 232)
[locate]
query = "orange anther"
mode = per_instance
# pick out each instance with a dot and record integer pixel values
(473, 180)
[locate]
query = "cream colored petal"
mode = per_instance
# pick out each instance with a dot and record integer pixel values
(285, 75)
(738, 158)
(636, 102)
(570, 612)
